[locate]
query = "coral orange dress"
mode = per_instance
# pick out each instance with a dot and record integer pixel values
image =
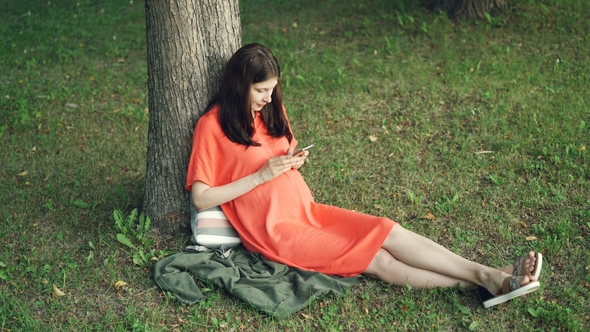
(279, 219)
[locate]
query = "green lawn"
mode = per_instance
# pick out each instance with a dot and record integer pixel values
(473, 133)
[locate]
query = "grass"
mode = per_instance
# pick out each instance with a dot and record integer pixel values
(481, 128)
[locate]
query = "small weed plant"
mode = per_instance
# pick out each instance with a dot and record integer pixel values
(133, 232)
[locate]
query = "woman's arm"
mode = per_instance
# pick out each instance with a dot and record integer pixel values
(205, 196)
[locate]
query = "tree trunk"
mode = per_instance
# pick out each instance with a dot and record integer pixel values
(467, 8)
(188, 44)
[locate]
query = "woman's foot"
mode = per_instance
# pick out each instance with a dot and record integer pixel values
(494, 280)
(511, 281)
(529, 265)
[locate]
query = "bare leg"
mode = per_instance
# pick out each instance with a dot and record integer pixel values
(427, 256)
(385, 267)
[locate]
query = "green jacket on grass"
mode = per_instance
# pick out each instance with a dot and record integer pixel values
(273, 288)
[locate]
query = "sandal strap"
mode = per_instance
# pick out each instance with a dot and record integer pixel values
(515, 283)
(510, 284)
(517, 267)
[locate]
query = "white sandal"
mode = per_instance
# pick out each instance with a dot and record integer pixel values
(511, 289)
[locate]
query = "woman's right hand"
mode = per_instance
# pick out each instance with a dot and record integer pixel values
(276, 166)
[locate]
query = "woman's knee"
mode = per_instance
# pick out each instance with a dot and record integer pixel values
(380, 264)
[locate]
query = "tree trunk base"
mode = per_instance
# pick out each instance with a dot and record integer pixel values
(188, 44)
(463, 9)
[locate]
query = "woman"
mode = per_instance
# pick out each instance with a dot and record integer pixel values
(242, 160)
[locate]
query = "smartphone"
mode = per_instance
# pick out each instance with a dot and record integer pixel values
(300, 151)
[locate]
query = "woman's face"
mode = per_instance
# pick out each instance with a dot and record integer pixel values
(260, 93)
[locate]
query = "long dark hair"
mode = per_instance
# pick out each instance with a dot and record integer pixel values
(253, 63)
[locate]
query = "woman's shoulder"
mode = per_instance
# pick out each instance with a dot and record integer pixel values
(208, 124)
(210, 117)
(211, 113)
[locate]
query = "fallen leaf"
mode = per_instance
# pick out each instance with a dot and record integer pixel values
(373, 138)
(23, 173)
(531, 238)
(430, 216)
(582, 148)
(120, 284)
(522, 224)
(57, 292)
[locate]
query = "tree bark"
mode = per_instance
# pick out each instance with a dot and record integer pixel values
(188, 44)
(467, 8)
